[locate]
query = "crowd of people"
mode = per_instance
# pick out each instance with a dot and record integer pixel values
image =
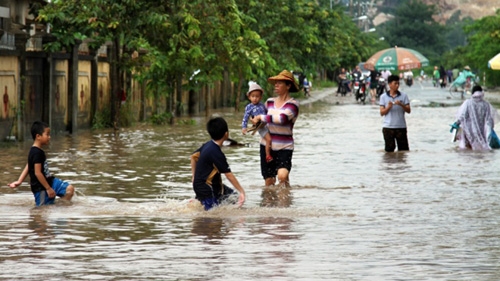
(274, 120)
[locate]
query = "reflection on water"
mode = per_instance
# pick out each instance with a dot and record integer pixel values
(353, 212)
(38, 224)
(212, 228)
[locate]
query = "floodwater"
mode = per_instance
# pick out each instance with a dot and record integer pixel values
(354, 212)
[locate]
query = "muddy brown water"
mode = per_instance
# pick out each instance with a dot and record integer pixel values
(354, 211)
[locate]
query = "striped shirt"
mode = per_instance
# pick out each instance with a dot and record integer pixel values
(280, 123)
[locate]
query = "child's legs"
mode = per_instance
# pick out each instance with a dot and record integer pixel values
(224, 198)
(63, 189)
(42, 198)
(209, 203)
(70, 191)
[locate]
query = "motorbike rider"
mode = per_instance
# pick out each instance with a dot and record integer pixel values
(307, 87)
(408, 76)
(357, 74)
(343, 80)
(462, 77)
(357, 71)
(374, 75)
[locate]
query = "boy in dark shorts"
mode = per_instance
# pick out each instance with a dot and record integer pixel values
(44, 186)
(208, 163)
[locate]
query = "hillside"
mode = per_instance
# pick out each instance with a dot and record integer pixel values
(469, 8)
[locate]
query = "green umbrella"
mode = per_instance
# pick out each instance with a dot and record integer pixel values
(396, 59)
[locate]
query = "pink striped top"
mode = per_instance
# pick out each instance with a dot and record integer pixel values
(280, 122)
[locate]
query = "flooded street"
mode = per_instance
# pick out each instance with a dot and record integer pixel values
(355, 212)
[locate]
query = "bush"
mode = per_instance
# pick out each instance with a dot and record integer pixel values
(102, 119)
(161, 118)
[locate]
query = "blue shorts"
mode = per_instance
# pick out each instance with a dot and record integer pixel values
(209, 203)
(59, 186)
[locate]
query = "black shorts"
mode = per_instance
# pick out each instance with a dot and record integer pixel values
(281, 159)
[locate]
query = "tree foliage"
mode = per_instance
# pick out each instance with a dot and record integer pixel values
(455, 35)
(248, 39)
(101, 21)
(483, 38)
(414, 27)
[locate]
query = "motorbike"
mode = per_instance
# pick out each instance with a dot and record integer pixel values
(343, 87)
(461, 90)
(306, 92)
(380, 87)
(409, 81)
(359, 87)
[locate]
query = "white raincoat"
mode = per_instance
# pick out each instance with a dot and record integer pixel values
(476, 119)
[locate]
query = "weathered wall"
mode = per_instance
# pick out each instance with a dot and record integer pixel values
(103, 85)
(84, 118)
(8, 90)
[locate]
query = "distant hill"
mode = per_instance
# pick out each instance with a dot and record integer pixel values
(474, 9)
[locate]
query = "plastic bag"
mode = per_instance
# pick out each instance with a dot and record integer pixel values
(493, 140)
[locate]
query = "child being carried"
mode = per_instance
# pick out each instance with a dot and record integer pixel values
(256, 107)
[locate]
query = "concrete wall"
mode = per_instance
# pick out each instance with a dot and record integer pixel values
(9, 80)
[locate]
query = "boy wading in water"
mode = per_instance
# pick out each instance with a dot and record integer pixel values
(44, 186)
(208, 163)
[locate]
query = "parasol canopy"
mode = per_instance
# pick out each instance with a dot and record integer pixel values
(494, 63)
(396, 59)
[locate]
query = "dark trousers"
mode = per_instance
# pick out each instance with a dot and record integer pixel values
(393, 136)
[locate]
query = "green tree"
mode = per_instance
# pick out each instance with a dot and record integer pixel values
(455, 35)
(239, 39)
(102, 21)
(414, 27)
(308, 35)
(483, 37)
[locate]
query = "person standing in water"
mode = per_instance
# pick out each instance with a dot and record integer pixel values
(393, 106)
(282, 112)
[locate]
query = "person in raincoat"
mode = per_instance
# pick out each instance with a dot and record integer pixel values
(462, 77)
(475, 117)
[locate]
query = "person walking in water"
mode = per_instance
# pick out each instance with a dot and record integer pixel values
(44, 186)
(282, 112)
(475, 117)
(208, 163)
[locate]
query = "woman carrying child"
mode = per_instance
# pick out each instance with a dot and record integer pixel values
(282, 112)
